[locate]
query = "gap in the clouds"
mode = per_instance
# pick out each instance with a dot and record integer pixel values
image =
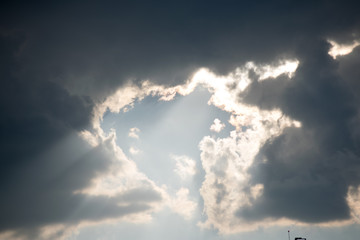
(167, 127)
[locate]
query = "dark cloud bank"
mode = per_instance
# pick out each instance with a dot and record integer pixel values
(43, 161)
(306, 172)
(58, 59)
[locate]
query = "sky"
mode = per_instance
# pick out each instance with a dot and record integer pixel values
(216, 120)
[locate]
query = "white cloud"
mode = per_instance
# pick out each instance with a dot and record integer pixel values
(225, 163)
(89, 138)
(287, 67)
(134, 150)
(134, 132)
(185, 166)
(217, 126)
(182, 205)
(341, 49)
(227, 185)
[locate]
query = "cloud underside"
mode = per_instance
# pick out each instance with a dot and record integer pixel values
(294, 155)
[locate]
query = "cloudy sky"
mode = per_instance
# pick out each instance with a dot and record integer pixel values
(216, 120)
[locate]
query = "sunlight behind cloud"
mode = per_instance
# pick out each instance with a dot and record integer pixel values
(226, 185)
(341, 49)
(286, 67)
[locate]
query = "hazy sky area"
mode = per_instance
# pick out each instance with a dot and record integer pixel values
(216, 120)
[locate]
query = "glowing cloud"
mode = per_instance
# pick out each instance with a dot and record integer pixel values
(225, 161)
(341, 49)
(217, 126)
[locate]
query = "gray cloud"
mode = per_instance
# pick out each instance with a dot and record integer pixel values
(40, 190)
(44, 161)
(92, 48)
(57, 59)
(306, 172)
(265, 94)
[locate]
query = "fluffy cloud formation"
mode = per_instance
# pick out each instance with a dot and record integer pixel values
(341, 49)
(217, 126)
(185, 166)
(182, 205)
(226, 161)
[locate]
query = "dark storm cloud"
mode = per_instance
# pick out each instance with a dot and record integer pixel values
(92, 48)
(56, 59)
(306, 172)
(43, 161)
(350, 72)
(35, 113)
(265, 94)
